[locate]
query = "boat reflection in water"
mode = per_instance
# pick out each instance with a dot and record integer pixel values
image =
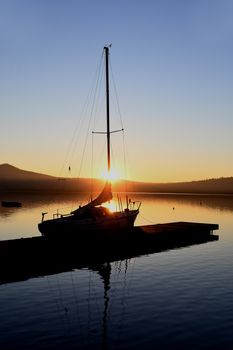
(18, 264)
(22, 259)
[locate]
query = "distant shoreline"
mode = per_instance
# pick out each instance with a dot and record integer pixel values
(15, 180)
(83, 192)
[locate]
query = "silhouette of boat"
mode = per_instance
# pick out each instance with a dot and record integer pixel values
(93, 217)
(11, 204)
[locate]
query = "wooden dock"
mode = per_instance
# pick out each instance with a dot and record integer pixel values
(37, 256)
(178, 228)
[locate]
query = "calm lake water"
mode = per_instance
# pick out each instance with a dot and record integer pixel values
(175, 299)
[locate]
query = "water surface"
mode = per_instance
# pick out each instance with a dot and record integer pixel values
(178, 299)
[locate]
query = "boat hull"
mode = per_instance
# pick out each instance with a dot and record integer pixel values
(11, 204)
(68, 226)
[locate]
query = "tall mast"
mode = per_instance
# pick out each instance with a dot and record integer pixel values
(106, 49)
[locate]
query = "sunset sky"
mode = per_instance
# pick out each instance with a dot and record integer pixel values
(172, 62)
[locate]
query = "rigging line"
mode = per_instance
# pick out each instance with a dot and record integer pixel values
(128, 167)
(113, 156)
(98, 99)
(123, 304)
(91, 286)
(98, 309)
(94, 122)
(115, 292)
(152, 222)
(117, 265)
(92, 94)
(85, 145)
(117, 98)
(125, 164)
(89, 309)
(76, 301)
(89, 125)
(76, 136)
(73, 142)
(114, 162)
(92, 162)
(130, 278)
(58, 309)
(65, 309)
(123, 133)
(100, 157)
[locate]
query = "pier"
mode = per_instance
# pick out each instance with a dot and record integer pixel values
(24, 258)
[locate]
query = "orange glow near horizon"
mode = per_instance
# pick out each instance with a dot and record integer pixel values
(111, 175)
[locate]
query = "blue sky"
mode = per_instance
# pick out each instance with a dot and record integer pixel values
(172, 63)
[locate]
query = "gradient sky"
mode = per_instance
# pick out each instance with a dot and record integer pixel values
(172, 64)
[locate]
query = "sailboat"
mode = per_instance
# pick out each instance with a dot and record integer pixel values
(93, 217)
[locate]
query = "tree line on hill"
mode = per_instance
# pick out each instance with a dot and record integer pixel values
(13, 179)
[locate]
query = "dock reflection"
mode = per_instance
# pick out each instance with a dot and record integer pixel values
(21, 261)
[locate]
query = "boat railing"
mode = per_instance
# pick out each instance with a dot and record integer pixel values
(59, 215)
(134, 205)
(43, 215)
(55, 216)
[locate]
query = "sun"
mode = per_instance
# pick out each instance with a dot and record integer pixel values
(111, 175)
(111, 205)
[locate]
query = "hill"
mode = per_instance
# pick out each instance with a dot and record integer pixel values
(11, 173)
(209, 186)
(13, 179)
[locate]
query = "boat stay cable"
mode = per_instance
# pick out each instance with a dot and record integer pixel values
(76, 136)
